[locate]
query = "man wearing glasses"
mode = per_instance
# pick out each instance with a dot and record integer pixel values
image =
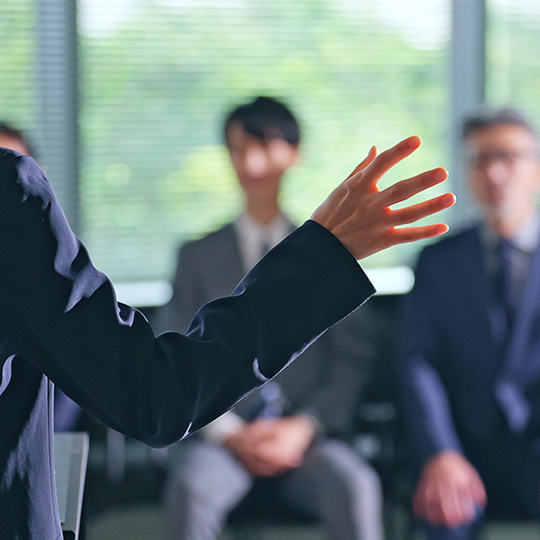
(469, 350)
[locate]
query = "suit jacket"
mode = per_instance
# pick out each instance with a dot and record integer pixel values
(325, 382)
(60, 322)
(455, 350)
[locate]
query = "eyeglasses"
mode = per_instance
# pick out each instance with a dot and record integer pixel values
(509, 158)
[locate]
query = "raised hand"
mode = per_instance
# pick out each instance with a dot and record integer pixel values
(359, 214)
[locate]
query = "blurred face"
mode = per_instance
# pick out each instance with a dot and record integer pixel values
(504, 173)
(13, 144)
(259, 164)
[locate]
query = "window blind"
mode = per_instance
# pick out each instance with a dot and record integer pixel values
(157, 78)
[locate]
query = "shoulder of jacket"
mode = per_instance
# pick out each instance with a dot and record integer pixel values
(207, 242)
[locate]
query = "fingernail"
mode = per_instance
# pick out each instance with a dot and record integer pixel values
(449, 199)
(440, 174)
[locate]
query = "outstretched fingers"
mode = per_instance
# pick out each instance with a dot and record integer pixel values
(413, 213)
(401, 235)
(401, 191)
(387, 159)
(361, 216)
(372, 154)
(406, 235)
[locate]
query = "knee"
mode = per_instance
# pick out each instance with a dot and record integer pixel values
(355, 479)
(211, 487)
(363, 484)
(183, 486)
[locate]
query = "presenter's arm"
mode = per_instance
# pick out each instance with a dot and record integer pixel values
(61, 314)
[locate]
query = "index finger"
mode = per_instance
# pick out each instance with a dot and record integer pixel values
(373, 151)
(387, 159)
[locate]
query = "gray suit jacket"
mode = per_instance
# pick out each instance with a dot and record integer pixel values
(326, 381)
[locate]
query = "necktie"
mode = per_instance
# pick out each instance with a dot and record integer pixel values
(507, 289)
(511, 282)
(269, 403)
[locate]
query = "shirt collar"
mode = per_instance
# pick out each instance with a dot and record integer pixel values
(526, 238)
(253, 234)
(272, 233)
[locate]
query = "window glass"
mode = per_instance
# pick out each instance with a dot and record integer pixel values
(513, 68)
(157, 78)
(17, 76)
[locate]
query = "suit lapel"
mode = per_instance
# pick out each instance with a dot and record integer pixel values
(228, 267)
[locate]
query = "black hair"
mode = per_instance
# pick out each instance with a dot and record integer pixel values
(9, 131)
(488, 118)
(264, 118)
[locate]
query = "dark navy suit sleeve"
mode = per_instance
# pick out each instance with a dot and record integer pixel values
(61, 314)
(426, 402)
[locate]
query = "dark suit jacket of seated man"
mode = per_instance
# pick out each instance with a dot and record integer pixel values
(469, 351)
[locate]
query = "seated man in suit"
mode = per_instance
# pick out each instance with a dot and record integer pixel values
(469, 351)
(285, 439)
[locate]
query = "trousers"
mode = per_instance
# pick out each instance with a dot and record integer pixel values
(333, 484)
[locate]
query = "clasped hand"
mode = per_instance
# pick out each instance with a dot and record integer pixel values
(270, 447)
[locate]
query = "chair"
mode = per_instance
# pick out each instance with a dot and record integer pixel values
(70, 457)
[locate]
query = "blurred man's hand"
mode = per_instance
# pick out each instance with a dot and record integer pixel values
(270, 447)
(449, 491)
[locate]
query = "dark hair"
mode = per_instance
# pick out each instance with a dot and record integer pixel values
(264, 118)
(488, 118)
(9, 131)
